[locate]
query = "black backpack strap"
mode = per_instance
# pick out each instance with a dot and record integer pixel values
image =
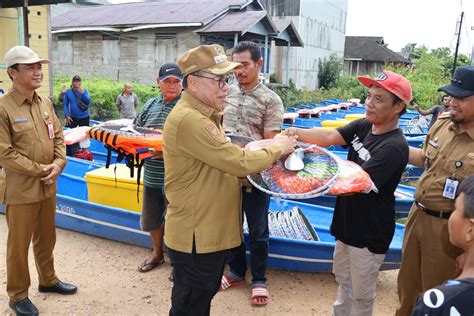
(139, 173)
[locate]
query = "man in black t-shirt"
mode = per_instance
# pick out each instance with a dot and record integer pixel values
(364, 224)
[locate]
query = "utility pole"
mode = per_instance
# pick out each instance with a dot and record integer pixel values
(26, 29)
(472, 52)
(458, 33)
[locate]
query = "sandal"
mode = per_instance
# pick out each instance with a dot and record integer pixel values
(259, 296)
(227, 282)
(147, 266)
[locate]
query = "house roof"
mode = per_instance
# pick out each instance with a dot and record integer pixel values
(370, 48)
(241, 23)
(20, 3)
(199, 12)
(286, 25)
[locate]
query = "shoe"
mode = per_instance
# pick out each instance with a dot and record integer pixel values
(24, 307)
(60, 287)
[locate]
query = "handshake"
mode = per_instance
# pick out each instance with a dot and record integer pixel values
(286, 143)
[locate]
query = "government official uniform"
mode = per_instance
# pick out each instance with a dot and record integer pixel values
(428, 256)
(25, 149)
(33, 155)
(202, 186)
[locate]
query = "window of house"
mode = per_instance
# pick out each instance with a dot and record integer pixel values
(65, 49)
(110, 50)
(166, 48)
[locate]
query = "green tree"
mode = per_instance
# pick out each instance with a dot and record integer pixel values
(329, 71)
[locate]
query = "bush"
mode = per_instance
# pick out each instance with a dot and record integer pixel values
(329, 71)
(429, 72)
(103, 93)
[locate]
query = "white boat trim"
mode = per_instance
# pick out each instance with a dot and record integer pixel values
(292, 258)
(133, 230)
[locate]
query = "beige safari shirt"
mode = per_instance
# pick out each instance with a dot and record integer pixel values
(26, 148)
(250, 113)
(201, 179)
(444, 145)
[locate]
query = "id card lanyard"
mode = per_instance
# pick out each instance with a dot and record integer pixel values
(451, 185)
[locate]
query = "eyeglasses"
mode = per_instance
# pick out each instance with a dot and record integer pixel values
(222, 81)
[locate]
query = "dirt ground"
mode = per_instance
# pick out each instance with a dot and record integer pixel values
(109, 284)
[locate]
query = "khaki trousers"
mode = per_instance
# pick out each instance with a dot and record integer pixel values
(26, 223)
(428, 257)
(356, 271)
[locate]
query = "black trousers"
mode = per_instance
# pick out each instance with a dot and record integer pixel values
(72, 149)
(196, 279)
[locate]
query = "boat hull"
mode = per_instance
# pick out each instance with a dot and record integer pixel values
(74, 212)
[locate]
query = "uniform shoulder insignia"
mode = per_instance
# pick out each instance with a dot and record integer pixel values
(444, 115)
(215, 132)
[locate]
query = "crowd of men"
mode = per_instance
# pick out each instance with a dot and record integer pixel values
(195, 110)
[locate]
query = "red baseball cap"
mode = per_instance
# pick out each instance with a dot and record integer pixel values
(391, 82)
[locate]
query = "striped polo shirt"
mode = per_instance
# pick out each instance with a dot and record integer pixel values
(153, 115)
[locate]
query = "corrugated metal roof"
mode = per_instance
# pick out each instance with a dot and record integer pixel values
(286, 24)
(20, 3)
(140, 13)
(370, 48)
(281, 23)
(239, 22)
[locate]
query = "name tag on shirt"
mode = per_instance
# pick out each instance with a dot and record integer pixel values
(21, 120)
(51, 129)
(433, 143)
(450, 188)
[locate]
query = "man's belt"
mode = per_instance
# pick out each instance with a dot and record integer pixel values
(444, 215)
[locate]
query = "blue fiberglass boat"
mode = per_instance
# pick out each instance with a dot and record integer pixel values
(74, 212)
(404, 196)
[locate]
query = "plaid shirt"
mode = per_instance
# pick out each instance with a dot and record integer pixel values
(250, 113)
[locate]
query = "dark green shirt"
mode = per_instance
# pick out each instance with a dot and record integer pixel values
(153, 115)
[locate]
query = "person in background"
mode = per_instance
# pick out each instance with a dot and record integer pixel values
(127, 102)
(61, 94)
(364, 224)
(448, 157)
(455, 297)
(153, 115)
(203, 220)
(251, 110)
(435, 110)
(32, 154)
(76, 109)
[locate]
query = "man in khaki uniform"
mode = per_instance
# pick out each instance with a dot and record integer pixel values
(32, 154)
(201, 180)
(429, 258)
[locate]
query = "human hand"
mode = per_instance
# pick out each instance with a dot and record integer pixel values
(68, 120)
(53, 171)
(63, 88)
(416, 106)
(291, 131)
(286, 143)
(79, 89)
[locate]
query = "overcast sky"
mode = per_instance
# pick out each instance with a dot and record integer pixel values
(428, 22)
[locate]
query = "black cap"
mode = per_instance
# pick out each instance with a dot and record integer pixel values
(462, 84)
(170, 70)
(76, 78)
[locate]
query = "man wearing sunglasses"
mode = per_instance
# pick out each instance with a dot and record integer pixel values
(252, 110)
(203, 220)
